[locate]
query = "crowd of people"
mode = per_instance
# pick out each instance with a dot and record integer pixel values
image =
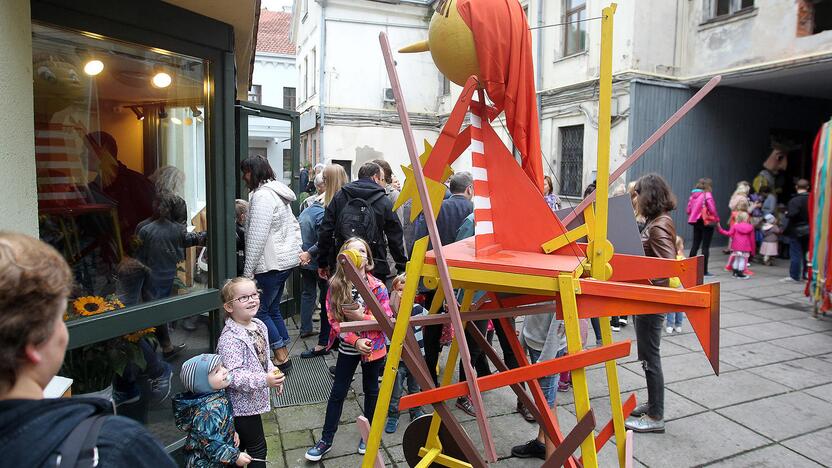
(227, 392)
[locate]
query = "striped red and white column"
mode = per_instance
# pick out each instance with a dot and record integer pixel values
(483, 227)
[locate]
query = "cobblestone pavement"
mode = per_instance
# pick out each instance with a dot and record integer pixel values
(770, 406)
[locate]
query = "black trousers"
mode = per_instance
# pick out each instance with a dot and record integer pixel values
(478, 357)
(649, 337)
(702, 235)
(252, 439)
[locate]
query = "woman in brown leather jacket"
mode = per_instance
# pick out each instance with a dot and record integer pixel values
(654, 200)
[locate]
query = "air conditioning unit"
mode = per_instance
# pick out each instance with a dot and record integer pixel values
(389, 96)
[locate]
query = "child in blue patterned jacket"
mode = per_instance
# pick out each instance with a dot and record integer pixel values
(204, 412)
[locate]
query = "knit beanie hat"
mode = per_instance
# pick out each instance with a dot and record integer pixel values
(195, 372)
(769, 218)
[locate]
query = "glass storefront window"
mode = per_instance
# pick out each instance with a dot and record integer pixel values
(120, 156)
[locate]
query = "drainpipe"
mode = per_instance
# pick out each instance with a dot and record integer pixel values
(322, 81)
(539, 71)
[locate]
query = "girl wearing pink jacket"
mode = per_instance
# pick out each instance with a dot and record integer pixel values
(702, 215)
(743, 243)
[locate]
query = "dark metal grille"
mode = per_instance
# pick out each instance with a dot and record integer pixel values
(571, 159)
(308, 382)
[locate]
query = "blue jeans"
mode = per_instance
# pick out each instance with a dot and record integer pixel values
(797, 257)
(675, 319)
(402, 376)
(345, 368)
(309, 284)
(271, 283)
(549, 384)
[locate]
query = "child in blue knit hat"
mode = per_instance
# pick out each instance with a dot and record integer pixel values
(204, 412)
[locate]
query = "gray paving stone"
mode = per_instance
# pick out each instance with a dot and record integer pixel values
(823, 324)
(695, 440)
(769, 331)
(597, 383)
(347, 461)
(682, 367)
(739, 319)
(798, 373)
(675, 406)
(345, 443)
(774, 456)
(783, 416)
(295, 459)
(728, 389)
(815, 445)
(297, 439)
(810, 345)
(727, 338)
(756, 354)
(824, 392)
(775, 313)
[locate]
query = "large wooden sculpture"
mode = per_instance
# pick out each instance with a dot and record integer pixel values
(521, 248)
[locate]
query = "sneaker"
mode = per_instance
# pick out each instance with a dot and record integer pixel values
(127, 397)
(644, 423)
(615, 329)
(532, 448)
(678, 329)
(742, 276)
(160, 386)
(464, 403)
(362, 447)
(318, 451)
(789, 279)
(563, 386)
(527, 415)
(623, 321)
(639, 410)
(669, 329)
(168, 355)
(416, 413)
(392, 425)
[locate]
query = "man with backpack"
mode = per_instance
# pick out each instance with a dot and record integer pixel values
(362, 209)
(35, 284)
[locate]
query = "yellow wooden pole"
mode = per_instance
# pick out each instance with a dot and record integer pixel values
(601, 248)
(569, 287)
(414, 268)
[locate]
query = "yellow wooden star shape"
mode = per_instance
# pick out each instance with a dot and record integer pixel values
(436, 189)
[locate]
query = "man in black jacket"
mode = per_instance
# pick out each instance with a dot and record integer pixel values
(35, 283)
(387, 226)
(797, 230)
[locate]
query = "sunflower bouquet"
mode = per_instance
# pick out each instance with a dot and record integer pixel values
(94, 366)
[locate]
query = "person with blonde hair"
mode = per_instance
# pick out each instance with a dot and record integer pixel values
(334, 177)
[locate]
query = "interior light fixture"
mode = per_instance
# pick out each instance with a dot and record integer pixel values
(138, 112)
(176, 120)
(161, 80)
(162, 112)
(196, 112)
(93, 67)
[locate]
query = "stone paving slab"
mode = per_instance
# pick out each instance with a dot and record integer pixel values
(728, 389)
(739, 319)
(810, 345)
(783, 416)
(774, 456)
(824, 392)
(815, 445)
(675, 406)
(822, 324)
(769, 331)
(777, 313)
(695, 440)
(690, 341)
(756, 354)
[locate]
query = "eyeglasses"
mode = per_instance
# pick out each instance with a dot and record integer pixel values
(245, 299)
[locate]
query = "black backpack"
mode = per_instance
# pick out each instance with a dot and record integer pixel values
(358, 219)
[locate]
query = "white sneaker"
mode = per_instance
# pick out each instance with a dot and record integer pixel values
(678, 329)
(669, 329)
(615, 329)
(622, 322)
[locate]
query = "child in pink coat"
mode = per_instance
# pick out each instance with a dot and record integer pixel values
(743, 243)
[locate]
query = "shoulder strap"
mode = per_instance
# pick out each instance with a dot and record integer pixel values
(375, 198)
(78, 449)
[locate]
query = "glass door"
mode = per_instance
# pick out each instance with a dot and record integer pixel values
(274, 134)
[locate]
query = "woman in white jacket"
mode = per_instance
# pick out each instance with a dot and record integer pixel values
(273, 247)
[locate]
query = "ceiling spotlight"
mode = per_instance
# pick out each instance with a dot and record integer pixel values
(176, 120)
(162, 113)
(196, 112)
(161, 80)
(139, 113)
(93, 67)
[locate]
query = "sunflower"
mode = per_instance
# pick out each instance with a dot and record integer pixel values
(136, 336)
(90, 305)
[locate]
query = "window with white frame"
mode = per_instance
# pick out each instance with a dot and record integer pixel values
(574, 32)
(719, 8)
(312, 67)
(303, 86)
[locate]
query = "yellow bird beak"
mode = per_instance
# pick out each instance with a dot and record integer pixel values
(421, 46)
